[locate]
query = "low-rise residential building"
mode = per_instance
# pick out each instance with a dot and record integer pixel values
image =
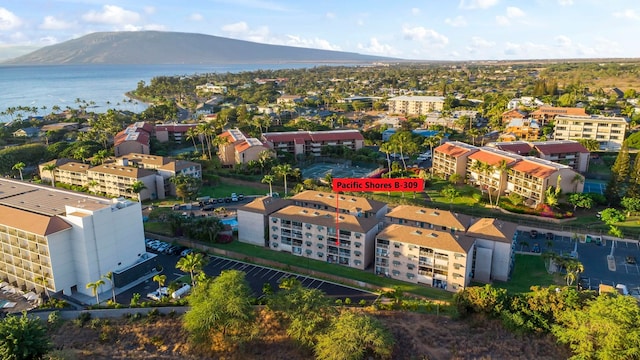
(115, 180)
(289, 100)
(345, 204)
(495, 249)
(546, 113)
(451, 158)
(531, 176)
(239, 149)
(527, 129)
(311, 143)
(28, 132)
(136, 138)
(488, 167)
(343, 239)
(173, 132)
(415, 105)
(62, 240)
(609, 132)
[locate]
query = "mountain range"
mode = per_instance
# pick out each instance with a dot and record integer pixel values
(159, 47)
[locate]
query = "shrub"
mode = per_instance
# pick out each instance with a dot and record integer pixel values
(54, 318)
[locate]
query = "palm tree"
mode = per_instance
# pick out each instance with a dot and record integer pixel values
(137, 188)
(269, 179)
(387, 149)
(109, 276)
(283, 170)
(577, 179)
(100, 156)
(191, 263)
(192, 134)
(51, 169)
(574, 268)
(94, 286)
(160, 279)
(502, 167)
(19, 166)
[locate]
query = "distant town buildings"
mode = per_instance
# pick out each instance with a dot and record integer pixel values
(415, 105)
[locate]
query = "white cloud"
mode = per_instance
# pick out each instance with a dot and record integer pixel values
(330, 15)
(563, 41)
(458, 21)
(514, 12)
(256, 4)
(427, 37)
(315, 43)
(236, 28)
(565, 2)
(415, 11)
(478, 43)
(242, 30)
(149, 10)
(627, 14)
(111, 14)
(376, 47)
(51, 23)
(196, 17)
(8, 20)
(477, 4)
(503, 20)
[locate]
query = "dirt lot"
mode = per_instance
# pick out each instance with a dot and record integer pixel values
(418, 336)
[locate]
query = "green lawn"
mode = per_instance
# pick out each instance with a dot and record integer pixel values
(529, 270)
(226, 187)
(160, 228)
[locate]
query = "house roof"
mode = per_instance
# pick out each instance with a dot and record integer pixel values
(233, 135)
(74, 166)
(303, 136)
(326, 218)
(557, 147)
(345, 202)
(431, 216)
(455, 148)
(137, 135)
(493, 229)
(435, 239)
(247, 144)
(29, 130)
(493, 156)
(534, 169)
(519, 123)
(124, 171)
(516, 147)
(552, 110)
(145, 159)
(178, 165)
(265, 205)
(515, 113)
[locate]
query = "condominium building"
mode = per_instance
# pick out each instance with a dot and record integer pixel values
(488, 168)
(344, 204)
(253, 219)
(546, 113)
(311, 143)
(609, 132)
(444, 249)
(239, 149)
(173, 132)
(136, 138)
(62, 240)
(451, 158)
(531, 176)
(342, 239)
(566, 152)
(415, 105)
(115, 180)
(432, 257)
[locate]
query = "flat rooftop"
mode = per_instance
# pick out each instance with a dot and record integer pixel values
(45, 200)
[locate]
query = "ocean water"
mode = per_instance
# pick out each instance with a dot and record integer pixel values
(46, 86)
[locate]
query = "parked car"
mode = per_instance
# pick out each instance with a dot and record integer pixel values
(240, 197)
(186, 252)
(536, 248)
(208, 208)
(234, 197)
(534, 234)
(630, 260)
(158, 294)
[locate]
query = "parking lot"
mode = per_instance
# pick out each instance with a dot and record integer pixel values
(593, 257)
(256, 276)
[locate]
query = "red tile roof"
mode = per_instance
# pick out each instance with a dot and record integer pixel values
(490, 158)
(560, 147)
(139, 136)
(533, 169)
(315, 136)
(551, 110)
(452, 149)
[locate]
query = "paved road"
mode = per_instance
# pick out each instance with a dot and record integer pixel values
(594, 258)
(256, 276)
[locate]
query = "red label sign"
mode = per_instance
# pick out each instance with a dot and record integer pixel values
(373, 185)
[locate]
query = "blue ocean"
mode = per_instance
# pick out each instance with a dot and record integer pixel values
(104, 86)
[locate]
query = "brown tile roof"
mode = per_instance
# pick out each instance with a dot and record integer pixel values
(453, 149)
(314, 136)
(551, 110)
(516, 147)
(492, 229)
(492, 158)
(125, 171)
(145, 159)
(265, 205)
(74, 166)
(534, 169)
(431, 216)
(434, 239)
(326, 218)
(558, 147)
(345, 202)
(178, 165)
(31, 222)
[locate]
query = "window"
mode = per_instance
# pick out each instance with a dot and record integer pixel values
(309, 243)
(358, 244)
(357, 253)
(274, 237)
(396, 253)
(358, 235)
(274, 244)
(308, 251)
(397, 245)
(274, 220)
(320, 237)
(411, 266)
(396, 263)
(308, 235)
(357, 263)
(320, 228)
(320, 254)
(308, 226)
(320, 246)
(410, 275)
(395, 272)
(274, 228)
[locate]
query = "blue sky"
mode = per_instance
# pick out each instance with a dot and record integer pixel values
(420, 30)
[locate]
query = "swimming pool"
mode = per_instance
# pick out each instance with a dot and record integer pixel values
(233, 222)
(594, 186)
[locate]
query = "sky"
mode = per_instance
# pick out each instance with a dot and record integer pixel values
(414, 30)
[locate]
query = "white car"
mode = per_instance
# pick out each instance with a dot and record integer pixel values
(158, 294)
(186, 252)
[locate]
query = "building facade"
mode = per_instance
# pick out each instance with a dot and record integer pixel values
(239, 149)
(61, 240)
(451, 158)
(609, 132)
(311, 143)
(566, 152)
(415, 105)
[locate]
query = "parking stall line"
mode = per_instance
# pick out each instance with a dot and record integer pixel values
(274, 275)
(216, 260)
(269, 271)
(261, 273)
(253, 268)
(320, 284)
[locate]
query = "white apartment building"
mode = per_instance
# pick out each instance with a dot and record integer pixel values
(253, 219)
(608, 131)
(451, 158)
(415, 105)
(68, 239)
(343, 239)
